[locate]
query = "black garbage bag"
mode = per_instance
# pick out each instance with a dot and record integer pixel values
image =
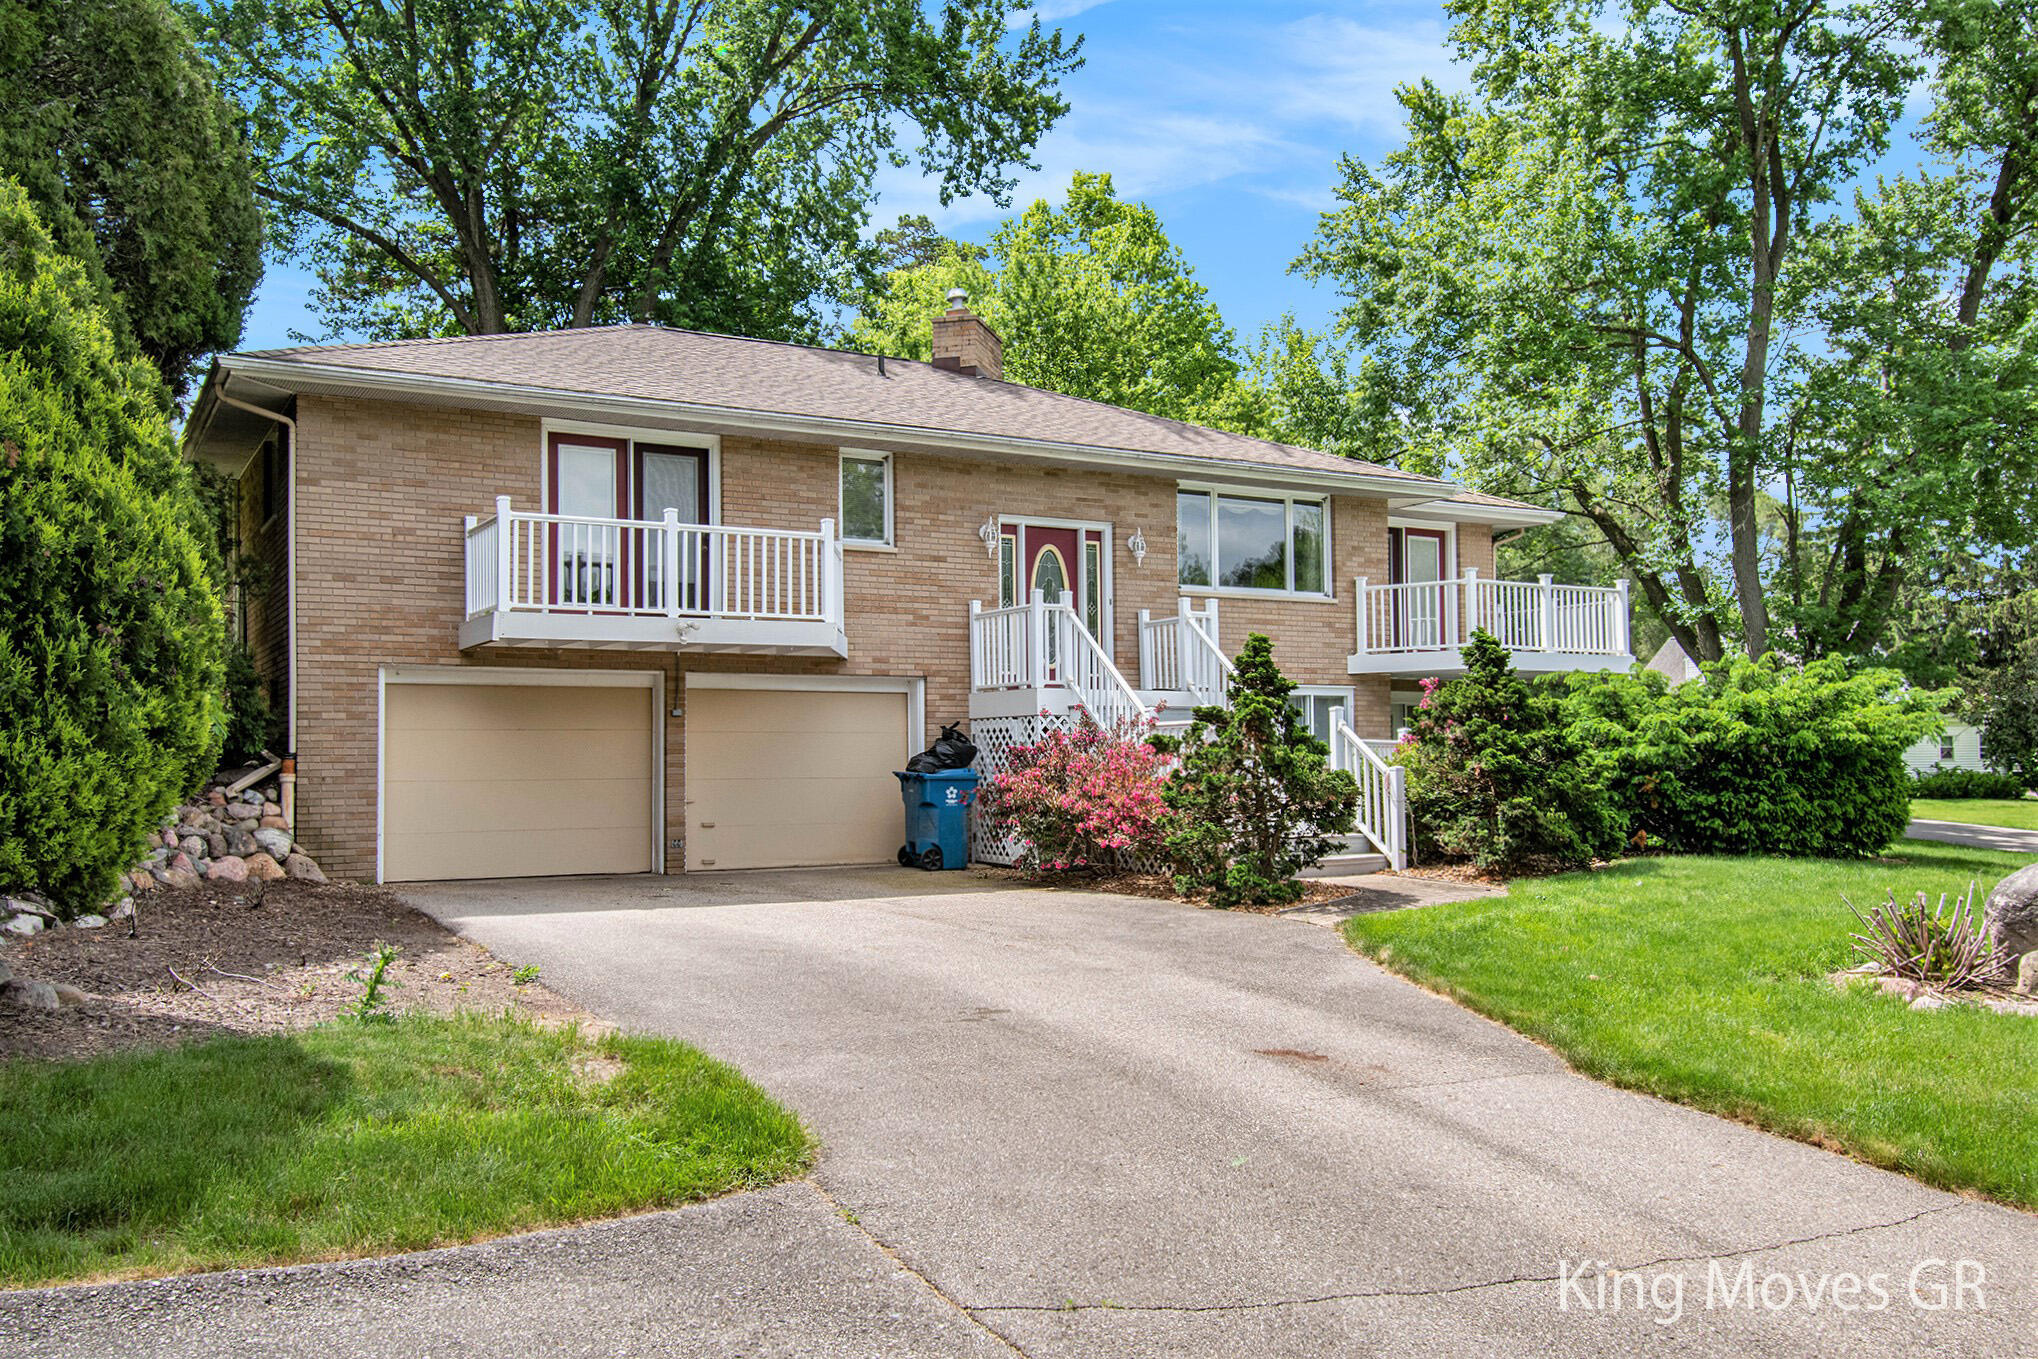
(951, 750)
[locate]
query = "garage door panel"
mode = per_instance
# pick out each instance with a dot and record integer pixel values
(482, 804)
(802, 755)
(518, 853)
(496, 707)
(488, 780)
(432, 755)
(786, 778)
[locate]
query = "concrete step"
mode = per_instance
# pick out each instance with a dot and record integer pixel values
(1347, 865)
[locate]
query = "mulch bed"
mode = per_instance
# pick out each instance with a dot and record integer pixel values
(226, 958)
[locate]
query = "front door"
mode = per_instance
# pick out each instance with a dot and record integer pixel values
(586, 488)
(1065, 563)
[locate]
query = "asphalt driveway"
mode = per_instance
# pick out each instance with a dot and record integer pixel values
(1074, 1124)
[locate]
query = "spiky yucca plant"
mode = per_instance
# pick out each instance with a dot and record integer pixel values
(1920, 942)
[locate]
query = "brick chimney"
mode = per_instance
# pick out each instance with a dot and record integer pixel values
(963, 343)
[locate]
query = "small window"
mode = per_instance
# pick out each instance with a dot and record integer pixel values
(1093, 587)
(1008, 568)
(1945, 747)
(1244, 542)
(1317, 707)
(867, 498)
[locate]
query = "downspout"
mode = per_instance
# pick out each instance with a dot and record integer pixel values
(287, 783)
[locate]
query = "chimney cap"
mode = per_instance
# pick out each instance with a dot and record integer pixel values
(958, 299)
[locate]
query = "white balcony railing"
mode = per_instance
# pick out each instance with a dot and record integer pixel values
(1529, 617)
(520, 562)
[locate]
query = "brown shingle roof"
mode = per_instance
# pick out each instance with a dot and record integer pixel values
(655, 363)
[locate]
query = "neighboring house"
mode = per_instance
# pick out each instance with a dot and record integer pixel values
(1672, 660)
(1957, 747)
(634, 599)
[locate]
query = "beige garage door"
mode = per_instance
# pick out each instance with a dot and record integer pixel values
(784, 778)
(515, 780)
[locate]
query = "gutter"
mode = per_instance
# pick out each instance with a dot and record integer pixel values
(293, 375)
(289, 545)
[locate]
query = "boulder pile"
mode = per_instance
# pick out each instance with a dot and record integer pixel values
(222, 838)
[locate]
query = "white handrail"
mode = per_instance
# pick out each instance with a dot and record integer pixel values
(1523, 615)
(1079, 662)
(1383, 791)
(1180, 654)
(1037, 645)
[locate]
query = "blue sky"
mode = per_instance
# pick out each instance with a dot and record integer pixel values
(1227, 118)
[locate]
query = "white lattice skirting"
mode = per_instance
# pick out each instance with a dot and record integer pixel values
(989, 841)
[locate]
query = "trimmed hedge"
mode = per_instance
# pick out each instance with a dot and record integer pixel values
(1756, 758)
(1966, 783)
(110, 630)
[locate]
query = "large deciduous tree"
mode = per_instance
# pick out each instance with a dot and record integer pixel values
(475, 166)
(1090, 298)
(1577, 274)
(109, 119)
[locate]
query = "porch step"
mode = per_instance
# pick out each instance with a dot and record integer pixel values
(1348, 864)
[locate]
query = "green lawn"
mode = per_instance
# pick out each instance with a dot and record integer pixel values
(357, 1139)
(2016, 813)
(1704, 980)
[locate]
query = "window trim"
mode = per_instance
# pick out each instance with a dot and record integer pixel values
(1348, 693)
(1288, 500)
(889, 541)
(630, 434)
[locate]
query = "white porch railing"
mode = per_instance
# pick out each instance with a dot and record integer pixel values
(1383, 790)
(1038, 645)
(1180, 654)
(519, 560)
(1537, 616)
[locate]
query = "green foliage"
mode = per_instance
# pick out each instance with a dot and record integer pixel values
(251, 723)
(1966, 783)
(525, 975)
(1494, 775)
(465, 166)
(1758, 757)
(1620, 276)
(110, 632)
(1090, 298)
(371, 1006)
(1254, 800)
(133, 161)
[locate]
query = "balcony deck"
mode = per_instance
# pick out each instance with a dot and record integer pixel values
(549, 580)
(1415, 629)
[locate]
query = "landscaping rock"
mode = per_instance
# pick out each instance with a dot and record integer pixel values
(262, 868)
(216, 796)
(24, 994)
(6, 972)
(24, 924)
(2011, 917)
(272, 809)
(228, 869)
(215, 845)
(192, 816)
(94, 921)
(1930, 1002)
(240, 843)
(241, 811)
(183, 879)
(301, 867)
(141, 881)
(122, 909)
(248, 823)
(68, 994)
(275, 822)
(276, 842)
(193, 846)
(177, 862)
(2027, 975)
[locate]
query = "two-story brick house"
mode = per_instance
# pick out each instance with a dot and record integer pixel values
(632, 599)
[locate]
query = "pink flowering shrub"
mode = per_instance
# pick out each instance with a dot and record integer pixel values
(1083, 799)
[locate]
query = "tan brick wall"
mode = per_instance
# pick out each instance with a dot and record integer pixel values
(1475, 549)
(383, 490)
(265, 602)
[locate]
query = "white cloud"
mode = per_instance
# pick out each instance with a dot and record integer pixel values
(1345, 72)
(1048, 11)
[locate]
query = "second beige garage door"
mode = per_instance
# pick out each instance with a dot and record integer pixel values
(515, 780)
(780, 778)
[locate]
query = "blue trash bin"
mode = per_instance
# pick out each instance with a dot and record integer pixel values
(937, 818)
